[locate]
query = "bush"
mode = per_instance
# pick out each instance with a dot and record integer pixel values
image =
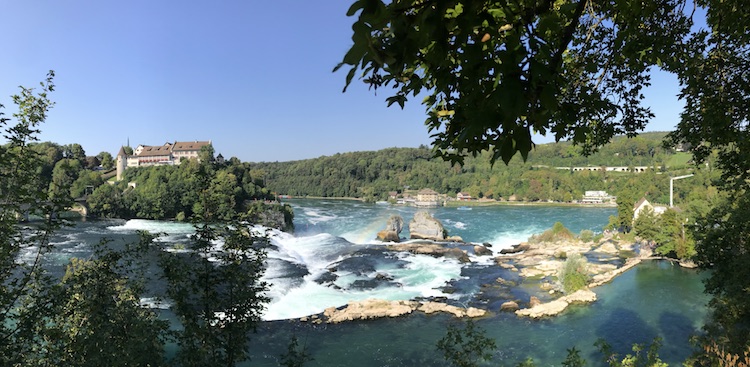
(573, 274)
(586, 235)
(558, 232)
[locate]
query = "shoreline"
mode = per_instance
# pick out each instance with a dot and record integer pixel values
(537, 265)
(456, 204)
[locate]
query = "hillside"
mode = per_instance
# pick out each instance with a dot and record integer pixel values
(371, 175)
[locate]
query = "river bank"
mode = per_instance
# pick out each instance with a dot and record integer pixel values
(480, 203)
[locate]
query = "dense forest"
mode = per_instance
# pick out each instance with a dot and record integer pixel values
(546, 176)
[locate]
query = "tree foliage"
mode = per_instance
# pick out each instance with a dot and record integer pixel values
(466, 346)
(106, 160)
(216, 289)
(22, 283)
(92, 316)
(573, 274)
(494, 73)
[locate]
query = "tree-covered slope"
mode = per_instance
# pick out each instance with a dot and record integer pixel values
(371, 175)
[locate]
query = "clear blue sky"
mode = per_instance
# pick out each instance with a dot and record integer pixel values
(252, 76)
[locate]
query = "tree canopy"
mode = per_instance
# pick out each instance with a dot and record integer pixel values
(494, 72)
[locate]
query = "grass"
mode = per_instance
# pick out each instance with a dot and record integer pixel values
(679, 159)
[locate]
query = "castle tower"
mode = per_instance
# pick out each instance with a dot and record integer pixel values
(122, 163)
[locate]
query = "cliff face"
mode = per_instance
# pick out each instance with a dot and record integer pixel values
(271, 215)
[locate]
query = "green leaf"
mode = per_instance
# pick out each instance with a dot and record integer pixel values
(355, 7)
(349, 78)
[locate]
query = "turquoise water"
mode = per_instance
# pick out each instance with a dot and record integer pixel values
(333, 258)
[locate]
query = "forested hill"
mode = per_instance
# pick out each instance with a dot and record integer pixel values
(371, 175)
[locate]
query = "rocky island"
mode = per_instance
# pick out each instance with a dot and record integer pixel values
(537, 264)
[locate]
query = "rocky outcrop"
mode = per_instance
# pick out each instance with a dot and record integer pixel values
(395, 224)
(606, 277)
(534, 301)
(271, 215)
(376, 308)
(688, 264)
(510, 306)
(432, 307)
(515, 249)
(424, 226)
(392, 230)
(559, 305)
(432, 249)
(388, 236)
(369, 309)
(481, 250)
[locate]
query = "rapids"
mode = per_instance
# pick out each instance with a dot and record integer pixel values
(333, 258)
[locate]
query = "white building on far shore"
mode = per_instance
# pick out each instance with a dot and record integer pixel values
(158, 155)
(597, 197)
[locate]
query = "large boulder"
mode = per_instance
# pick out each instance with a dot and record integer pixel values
(395, 224)
(392, 229)
(510, 306)
(523, 246)
(388, 236)
(424, 226)
(481, 250)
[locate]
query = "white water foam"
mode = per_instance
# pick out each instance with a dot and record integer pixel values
(425, 274)
(504, 240)
(421, 276)
(154, 226)
(316, 216)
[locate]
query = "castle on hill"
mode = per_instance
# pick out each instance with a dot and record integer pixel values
(158, 155)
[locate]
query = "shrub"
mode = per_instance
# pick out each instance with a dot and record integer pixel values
(586, 235)
(573, 274)
(556, 233)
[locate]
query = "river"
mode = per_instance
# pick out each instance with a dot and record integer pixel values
(333, 258)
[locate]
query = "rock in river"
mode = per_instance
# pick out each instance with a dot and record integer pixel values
(392, 229)
(424, 226)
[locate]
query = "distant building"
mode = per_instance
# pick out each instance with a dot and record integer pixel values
(463, 196)
(427, 198)
(637, 169)
(596, 197)
(642, 204)
(158, 155)
(187, 149)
